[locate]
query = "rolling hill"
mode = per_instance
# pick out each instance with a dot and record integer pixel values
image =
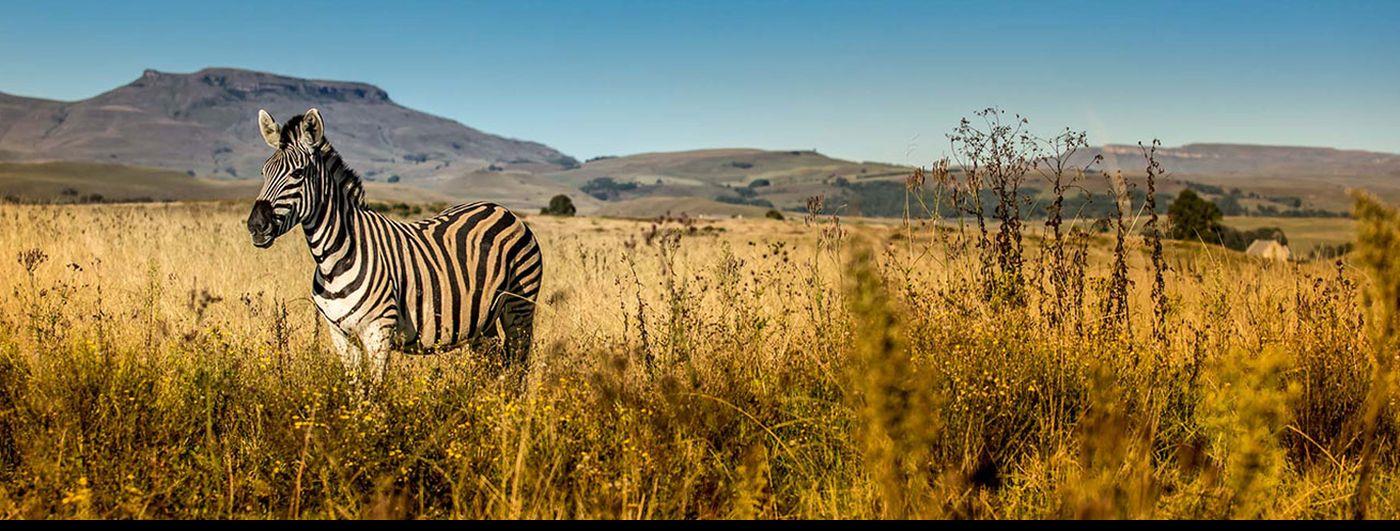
(715, 181)
(203, 124)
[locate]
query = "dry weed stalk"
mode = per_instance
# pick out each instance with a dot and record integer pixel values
(1115, 302)
(1056, 169)
(997, 154)
(1153, 234)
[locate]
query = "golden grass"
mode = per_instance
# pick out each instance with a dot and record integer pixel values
(154, 364)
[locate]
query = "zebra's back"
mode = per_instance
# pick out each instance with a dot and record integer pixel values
(457, 270)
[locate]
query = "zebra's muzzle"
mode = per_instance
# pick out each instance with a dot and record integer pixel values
(262, 224)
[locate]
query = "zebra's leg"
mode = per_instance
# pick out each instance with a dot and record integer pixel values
(349, 352)
(518, 322)
(379, 339)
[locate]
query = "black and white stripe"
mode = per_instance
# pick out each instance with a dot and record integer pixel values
(470, 273)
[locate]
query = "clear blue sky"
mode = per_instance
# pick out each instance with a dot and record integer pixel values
(862, 80)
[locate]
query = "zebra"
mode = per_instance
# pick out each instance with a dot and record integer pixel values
(469, 274)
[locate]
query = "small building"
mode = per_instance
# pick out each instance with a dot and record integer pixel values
(1268, 250)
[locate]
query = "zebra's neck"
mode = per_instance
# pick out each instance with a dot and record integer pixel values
(333, 229)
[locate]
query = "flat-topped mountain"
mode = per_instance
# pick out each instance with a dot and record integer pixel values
(204, 123)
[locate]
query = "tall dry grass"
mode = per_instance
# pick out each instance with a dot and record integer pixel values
(154, 364)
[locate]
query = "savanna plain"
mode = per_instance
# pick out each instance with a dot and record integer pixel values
(153, 364)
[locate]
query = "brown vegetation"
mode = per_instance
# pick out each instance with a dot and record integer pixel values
(153, 365)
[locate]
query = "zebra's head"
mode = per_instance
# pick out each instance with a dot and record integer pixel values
(291, 176)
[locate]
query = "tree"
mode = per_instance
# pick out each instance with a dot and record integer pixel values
(559, 205)
(1194, 218)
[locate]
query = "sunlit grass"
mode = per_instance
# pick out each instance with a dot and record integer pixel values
(154, 364)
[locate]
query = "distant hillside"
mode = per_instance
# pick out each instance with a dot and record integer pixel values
(720, 167)
(647, 207)
(84, 182)
(1244, 160)
(1318, 177)
(204, 123)
(87, 181)
(1244, 178)
(716, 181)
(513, 188)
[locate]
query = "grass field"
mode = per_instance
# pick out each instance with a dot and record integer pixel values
(154, 364)
(1304, 234)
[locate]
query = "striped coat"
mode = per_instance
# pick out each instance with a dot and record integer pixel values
(465, 275)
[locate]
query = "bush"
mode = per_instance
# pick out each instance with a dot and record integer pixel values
(1230, 206)
(559, 205)
(774, 214)
(744, 201)
(1205, 188)
(1194, 218)
(565, 162)
(607, 189)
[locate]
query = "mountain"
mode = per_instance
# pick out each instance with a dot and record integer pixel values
(1246, 160)
(204, 124)
(716, 181)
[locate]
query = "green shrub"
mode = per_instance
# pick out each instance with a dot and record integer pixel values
(559, 205)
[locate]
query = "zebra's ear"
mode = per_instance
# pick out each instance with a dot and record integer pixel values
(271, 132)
(312, 128)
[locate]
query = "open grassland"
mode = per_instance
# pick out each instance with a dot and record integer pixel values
(154, 364)
(91, 182)
(1304, 234)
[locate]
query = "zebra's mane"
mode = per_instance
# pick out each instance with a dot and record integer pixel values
(291, 130)
(342, 175)
(349, 182)
(345, 178)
